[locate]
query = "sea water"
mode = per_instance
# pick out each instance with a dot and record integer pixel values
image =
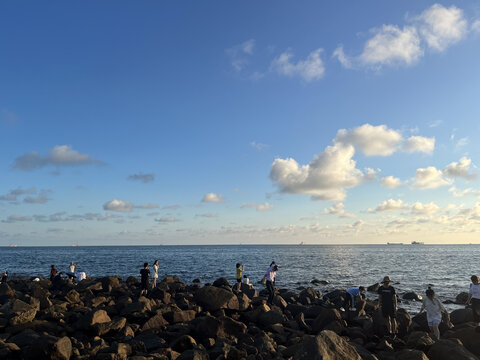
(411, 267)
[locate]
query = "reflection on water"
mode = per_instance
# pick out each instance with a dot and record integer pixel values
(412, 267)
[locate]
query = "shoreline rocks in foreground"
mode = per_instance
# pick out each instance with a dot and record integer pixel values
(106, 319)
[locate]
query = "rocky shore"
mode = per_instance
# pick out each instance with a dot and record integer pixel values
(106, 319)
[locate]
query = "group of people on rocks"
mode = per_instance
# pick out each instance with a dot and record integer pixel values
(355, 297)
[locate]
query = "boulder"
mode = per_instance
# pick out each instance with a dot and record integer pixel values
(326, 346)
(449, 349)
(373, 288)
(410, 354)
(461, 316)
(229, 328)
(26, 337)
(22, 313)
(469, 337)
(403, 322)
(169, 279)
(50, 347)
(336, 297)
(420, 340)
(182, 316)
(149, 340)
(132, 281)
(412, 296)
(461, 298)
(109, 283)
(324, 318)
(319, 282)
(193, 354)
(92, 318)
(155, 322)
(215, 298)
(243, 301)
(222, 282)
(183, 343)
(271, 317)
(309, 295)
(73, 297)
(280, 302)
(113, 326)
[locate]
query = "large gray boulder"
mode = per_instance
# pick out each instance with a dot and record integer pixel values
(326, 346)
(449, 349)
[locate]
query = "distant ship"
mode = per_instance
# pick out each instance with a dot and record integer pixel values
(418, 243)
(302, 243)
(12, 245)
(389, 243)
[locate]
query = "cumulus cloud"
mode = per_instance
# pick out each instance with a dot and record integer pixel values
(212, 198)
(462, 142)
(391, 205)
(325, 178)
(207, 215)
(461, 193)
(310, 69)
(430, 178)
(60, 155)
(337, 209)
(436, 28)
(371, 140)
(239, 54)
(118, 205)
(42, 199)
(441, 27)
(419, 144)
(391, 182)
(144, 178)
(459, 169)
(425, 209)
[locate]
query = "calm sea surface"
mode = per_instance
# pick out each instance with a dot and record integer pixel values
(411, 267)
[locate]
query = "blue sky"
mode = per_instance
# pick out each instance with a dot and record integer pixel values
(239, 122)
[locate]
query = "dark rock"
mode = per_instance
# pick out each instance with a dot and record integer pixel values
(420, 340)
(325, 318)
(403, 322)
(215, 298)
(73, 297)
(196, 281)
(449, 349)
(271, 317)
(319, 282)
(132, 281)
(296, 309)
(373, 288)
(469, 337)
(243, 301)
(412, 296)
(180, 316)
(170, 279)
(410, 354)
(308, 296)
(193, 354)
(461, 298)
(326, 346)
(24, 338)
(92, 318)
(461, 316)
(50, 347)
(149, 340)
(183, 343)
(109, 283)
(221, 282)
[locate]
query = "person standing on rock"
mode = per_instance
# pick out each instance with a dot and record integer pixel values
(387, 299)
(474, 298)
(269, 282)
(434, 309)
(240, 270)
(4, 277)
(53, 272)
(145, 275)
(155, 273)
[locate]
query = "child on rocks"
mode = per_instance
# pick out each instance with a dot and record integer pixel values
(239, 276)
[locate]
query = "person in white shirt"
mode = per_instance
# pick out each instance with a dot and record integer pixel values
(474, 298)
(270, 280)
(155, 273)
(434, 309)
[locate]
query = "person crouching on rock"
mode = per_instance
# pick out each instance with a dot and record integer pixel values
(270, 280)
(145, 274)
(240, 270)
(434, 309)
(474, 298)
(387, 299)
(350, 299)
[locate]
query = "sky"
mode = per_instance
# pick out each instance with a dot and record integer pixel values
(189, 122)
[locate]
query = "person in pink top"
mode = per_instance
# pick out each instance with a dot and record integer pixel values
(270, 279)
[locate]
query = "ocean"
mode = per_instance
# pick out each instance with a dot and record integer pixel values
(411, 267)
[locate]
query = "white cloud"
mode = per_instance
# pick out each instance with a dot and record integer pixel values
(459, 169)
(41, 199)
(441, 27)
(171, 207)
(437, 28)
(419, 144)
(17, 218)
(391, 205)
(258, 146)
(13, 194)
(207, 215)
(392, 46)
(60, 155)
(462, 142)
(391, 182)
(259, 207)
(337, 209)
(144, 178)
(371, 140)
(212, 198)
(312, 68)
(435, 123)
(425, 209)
(325, 178)
(461, 193)
(475, 26)
(118, 205)
(238, 54)
(429, 178)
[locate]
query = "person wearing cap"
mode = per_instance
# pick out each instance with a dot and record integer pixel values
(474, 298)
(387, 299)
